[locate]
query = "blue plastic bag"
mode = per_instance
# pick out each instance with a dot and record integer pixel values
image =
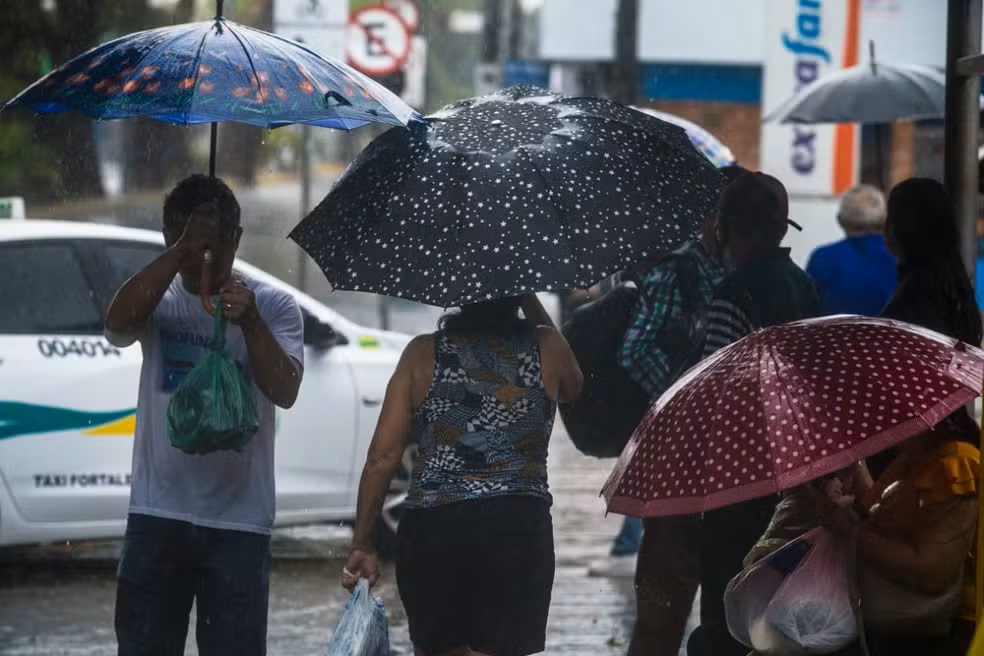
(363, 629)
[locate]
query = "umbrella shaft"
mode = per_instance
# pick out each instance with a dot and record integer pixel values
(213, 141)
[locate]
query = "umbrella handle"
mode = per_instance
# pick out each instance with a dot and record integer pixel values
(205, 283)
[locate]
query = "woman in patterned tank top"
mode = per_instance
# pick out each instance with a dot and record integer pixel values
(475, 558)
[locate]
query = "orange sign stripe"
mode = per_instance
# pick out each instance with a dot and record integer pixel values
(845, 134)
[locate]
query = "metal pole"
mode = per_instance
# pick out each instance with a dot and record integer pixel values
(963, 39)
(884, 181)
(514, 30)
(492, 32)
(625, 87)
(213, 138)
(305, 200)
(384, 311)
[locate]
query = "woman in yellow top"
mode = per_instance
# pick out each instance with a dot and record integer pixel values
(915, 547)
(915, 544)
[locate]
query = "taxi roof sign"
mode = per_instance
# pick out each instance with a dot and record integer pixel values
(12, 208)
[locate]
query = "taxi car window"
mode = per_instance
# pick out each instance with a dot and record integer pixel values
(44, 290)
(123, 259)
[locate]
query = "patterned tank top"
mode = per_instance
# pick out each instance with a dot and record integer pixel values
(482, 431)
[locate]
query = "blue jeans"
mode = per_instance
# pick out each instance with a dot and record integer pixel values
(629, 538)
(168, 564)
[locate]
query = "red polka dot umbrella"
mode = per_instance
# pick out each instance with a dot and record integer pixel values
(787, 405)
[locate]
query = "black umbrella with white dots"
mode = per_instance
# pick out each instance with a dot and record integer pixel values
(517, 192)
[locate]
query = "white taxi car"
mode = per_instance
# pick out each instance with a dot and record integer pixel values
(67, 397)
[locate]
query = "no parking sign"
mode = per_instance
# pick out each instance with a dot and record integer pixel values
(406, 10)
(377, 41)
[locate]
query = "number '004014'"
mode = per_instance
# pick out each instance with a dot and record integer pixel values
(82, 348)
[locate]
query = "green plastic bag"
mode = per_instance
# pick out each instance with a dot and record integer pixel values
(212, 409)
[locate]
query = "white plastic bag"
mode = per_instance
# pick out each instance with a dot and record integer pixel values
(362, 629)
(796, 600)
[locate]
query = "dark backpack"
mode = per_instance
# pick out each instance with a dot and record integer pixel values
(611, 405)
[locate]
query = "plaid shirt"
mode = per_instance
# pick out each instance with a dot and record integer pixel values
(644, 355)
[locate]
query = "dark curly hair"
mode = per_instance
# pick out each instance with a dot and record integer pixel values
(197, 190)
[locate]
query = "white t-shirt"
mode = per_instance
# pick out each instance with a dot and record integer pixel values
(224, 489)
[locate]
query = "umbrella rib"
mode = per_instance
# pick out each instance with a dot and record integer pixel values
(355, 75)
(149, 55)
(557, 217)
(786, 397)
(252, 66)
(456, 235)
(198, 61)
(275, 44)
(920, 89)
(685, 146)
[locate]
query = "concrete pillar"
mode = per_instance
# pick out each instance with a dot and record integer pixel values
(962, 120)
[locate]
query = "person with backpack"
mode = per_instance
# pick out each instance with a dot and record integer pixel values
(662, 342)
(764, 289)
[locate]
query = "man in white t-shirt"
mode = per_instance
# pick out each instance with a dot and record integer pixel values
(199, 525)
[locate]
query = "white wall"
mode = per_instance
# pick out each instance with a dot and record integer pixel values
(577, 30)
(702, 31)
(729, 31)
(910, 31)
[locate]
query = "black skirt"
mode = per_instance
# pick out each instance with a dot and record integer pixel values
(477, 574)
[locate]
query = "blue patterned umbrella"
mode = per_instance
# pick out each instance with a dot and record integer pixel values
(213, 71)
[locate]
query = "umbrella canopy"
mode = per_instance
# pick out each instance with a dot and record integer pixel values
(517, 192)
(709, 145)
(787, 405)
(210, 71)
(869, 93)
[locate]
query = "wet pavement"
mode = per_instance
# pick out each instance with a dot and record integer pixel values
(58, 601)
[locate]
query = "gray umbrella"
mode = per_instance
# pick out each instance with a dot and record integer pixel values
(879, 93)
(869, 93)
(874, 93)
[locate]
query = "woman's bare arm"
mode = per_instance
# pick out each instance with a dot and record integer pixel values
(932, 561)
(562, 375)
(388, 443)
(535, 313)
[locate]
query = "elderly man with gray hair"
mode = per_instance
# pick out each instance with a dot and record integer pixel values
(857, 274)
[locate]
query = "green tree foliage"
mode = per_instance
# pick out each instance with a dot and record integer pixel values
(48, 158)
